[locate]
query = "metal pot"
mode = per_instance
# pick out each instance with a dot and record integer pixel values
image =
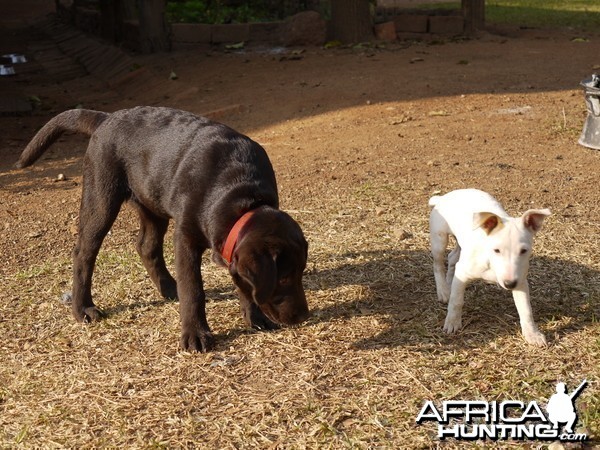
(590, 137)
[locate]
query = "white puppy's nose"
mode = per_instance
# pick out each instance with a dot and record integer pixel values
(510, 284)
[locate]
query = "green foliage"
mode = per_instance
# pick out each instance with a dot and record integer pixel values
(578, 14)
(218, 12)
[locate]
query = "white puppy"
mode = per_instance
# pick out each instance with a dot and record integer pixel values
(491, 246)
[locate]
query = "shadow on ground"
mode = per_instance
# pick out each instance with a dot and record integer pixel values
(400, 291)
(396, 289)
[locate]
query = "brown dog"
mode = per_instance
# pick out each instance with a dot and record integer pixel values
(205, 176)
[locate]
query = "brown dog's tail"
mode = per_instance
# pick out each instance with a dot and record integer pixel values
(83, 121)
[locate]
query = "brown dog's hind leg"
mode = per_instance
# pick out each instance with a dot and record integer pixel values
(195, 332)
(100, 204)
(150, 248)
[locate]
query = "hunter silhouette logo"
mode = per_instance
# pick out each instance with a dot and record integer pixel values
(561, 406)
(510, 419)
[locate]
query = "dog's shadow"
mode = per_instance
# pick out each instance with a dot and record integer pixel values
(399, 289)
(56, 170)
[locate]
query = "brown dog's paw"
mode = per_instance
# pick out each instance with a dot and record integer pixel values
(256, 319)
(259, 321)
(92, 314)
(168, 289)
(197, 341)
(85, 314)
(88, 315)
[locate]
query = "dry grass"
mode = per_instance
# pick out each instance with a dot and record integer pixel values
(354, 376)
(357, 373)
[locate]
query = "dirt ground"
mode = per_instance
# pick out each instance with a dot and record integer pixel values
(360, 138)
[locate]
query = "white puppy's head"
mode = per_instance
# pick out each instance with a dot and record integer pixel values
(509, 243)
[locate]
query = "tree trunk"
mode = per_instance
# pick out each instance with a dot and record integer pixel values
(351, 20)
(110, 24)
(474, 14)
(128, 10)
(154, 35)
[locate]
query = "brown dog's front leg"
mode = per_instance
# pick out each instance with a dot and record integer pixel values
(195, 332)
(253, 316)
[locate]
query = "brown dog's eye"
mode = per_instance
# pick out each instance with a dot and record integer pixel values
(285, 281)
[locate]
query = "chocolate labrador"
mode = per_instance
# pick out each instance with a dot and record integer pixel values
(219, 188)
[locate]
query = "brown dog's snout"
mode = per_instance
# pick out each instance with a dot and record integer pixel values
(301, 314)
(287, 309)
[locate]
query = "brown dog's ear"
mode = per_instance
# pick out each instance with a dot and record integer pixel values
(305, 242)
(534, 218)
(486, 220)
(259, 271)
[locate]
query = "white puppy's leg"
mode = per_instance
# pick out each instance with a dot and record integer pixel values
(530, 331)
(438, 236)
(457, 298)
(453, 258)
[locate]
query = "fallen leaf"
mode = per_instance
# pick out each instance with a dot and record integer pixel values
(438, 113)
(238, 46)
(332, 44)
(400, 120)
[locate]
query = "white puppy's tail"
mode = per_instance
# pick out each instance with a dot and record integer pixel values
(433, 201)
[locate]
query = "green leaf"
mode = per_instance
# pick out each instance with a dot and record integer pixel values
(238, 46)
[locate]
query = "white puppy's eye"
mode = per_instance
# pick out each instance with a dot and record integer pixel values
(523, 251)
(496, 250)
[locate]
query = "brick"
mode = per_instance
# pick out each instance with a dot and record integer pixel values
(266, 32)
(191, 32)
(411, 23)
(305, 28)
(385, 31)
(234, 32)
(446, 24)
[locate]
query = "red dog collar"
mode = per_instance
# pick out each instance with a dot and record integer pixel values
(232, 237)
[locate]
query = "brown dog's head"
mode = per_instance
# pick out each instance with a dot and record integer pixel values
(268, 263)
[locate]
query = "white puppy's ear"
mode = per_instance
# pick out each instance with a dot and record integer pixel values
(534, 218)
(487, 221)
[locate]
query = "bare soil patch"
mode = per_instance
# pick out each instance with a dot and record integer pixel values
(360, 138)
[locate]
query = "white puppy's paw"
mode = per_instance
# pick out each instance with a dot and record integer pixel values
(452, 324)
(535, 337)
(443, 293)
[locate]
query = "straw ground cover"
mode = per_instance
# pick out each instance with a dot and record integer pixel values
(359, 140)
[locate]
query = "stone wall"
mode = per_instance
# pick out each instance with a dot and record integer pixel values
(415, 23)
(302, 29)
